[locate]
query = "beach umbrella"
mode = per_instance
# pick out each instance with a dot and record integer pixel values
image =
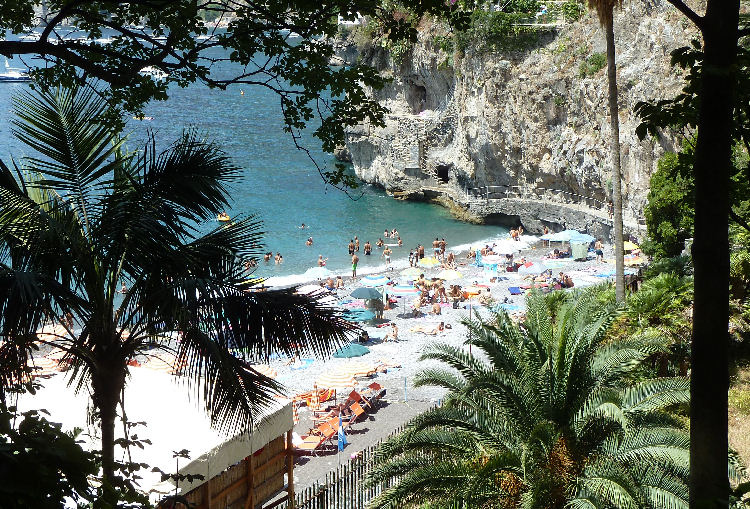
(43, 366)
(583, 238)
(318, 272)
(411, 272)
(507, 246)
(359, 368)
(166, 363)
(357, 315)
(275, 281)
(450, 275)
(366, 293)
(532, 268)
(402, 290)
(568, 236)
(492, 259)
(429, 262)
(310, 290)
(321, 295)
(351, 350)
(336, 380)
(51, 332)
(375, 280)
(629, 246)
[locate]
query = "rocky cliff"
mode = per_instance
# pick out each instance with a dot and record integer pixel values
(534, 122)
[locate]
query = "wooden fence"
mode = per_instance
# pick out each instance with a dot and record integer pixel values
(344, 487)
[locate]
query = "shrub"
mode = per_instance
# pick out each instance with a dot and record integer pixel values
(592, 65)
(572, 10)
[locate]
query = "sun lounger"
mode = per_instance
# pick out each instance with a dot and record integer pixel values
(357, 412)
(374, 392)
(358, 398)
(313, 443)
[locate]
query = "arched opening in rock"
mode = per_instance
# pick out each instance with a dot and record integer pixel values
(416, 97)
(443, 173)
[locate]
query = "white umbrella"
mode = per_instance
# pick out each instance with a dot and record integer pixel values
(336, 380)
(312, 290)
(532, 268)
(318, 272)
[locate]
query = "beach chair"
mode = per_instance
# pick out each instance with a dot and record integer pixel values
(374, 392)
(358, 398)
(314, 442)
(357, 412)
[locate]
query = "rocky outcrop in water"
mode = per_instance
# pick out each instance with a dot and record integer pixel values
(530, 122)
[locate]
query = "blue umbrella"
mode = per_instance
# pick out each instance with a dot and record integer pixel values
(366, 293)
(351, 350)
(568, 236)
(357, 315)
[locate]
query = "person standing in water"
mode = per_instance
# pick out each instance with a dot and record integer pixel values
(351, 247)
(355, 261)
(368, 248)
(387, 255)
(356, 244)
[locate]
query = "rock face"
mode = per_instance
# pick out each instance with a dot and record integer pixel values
(530, 122)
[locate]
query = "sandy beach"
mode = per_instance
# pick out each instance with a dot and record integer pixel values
(403, 401)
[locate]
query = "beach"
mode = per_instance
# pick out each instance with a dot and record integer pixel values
(399, 360)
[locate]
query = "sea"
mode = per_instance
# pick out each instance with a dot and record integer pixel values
(280, 185)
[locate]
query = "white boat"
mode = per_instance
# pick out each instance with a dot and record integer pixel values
(153, 72)
(13, 75)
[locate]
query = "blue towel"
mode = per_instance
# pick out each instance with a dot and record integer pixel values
(515, 290)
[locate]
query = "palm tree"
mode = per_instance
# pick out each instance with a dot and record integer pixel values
(605, 11)
(544, 414)
(85, 217)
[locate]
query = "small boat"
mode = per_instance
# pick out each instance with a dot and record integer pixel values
(224, 218)
(13, 75)
(142, 118)
(154, 72)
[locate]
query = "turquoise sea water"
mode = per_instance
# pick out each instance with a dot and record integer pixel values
(281, 185)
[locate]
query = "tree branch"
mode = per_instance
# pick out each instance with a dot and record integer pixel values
(688, 12)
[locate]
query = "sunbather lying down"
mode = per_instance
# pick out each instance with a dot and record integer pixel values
(425, 329)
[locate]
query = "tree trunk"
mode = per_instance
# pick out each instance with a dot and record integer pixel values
(709, 486)
(614, 120)
(107, 385)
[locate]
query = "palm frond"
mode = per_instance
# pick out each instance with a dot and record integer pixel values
(65, 127)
